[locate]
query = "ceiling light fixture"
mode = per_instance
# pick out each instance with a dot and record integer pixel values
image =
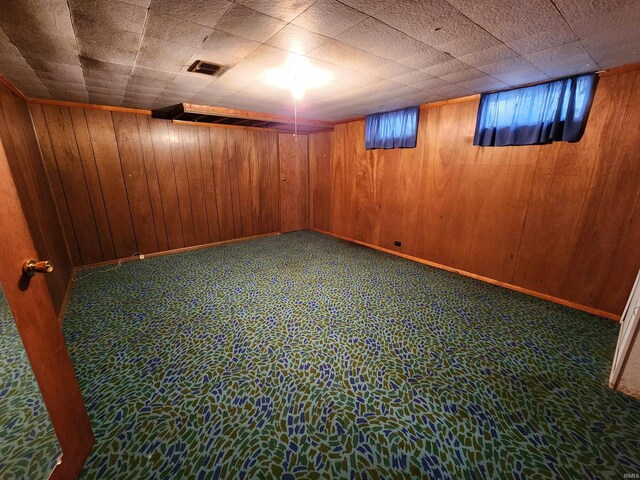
(297, 75)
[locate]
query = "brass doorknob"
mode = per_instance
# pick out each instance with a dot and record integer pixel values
(31, 267)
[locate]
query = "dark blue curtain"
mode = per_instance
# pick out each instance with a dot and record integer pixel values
(552, 111)
(398, 129)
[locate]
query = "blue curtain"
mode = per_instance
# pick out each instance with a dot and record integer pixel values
(398, 129)
(552, 111)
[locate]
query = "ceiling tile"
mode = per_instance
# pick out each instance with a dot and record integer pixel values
(415, 76)
(160, 55)
(577, 11)
(93, 67)
(367, 6)
(249, 24)
(240, 76)
(204, 12)
(70, 77)
(470, 39)
(446, 68)
(106, 44)
(434, 22)
(521, 77)
(542, 40)
(175, 30)
(113, 15)
(269, 56)
(452, 91)
(577, 64)
(509, 20)
(296, 39)
(376, 37)
(428, 57)
(329, 17)
(488, 56)
(40, 45)
(142, 72)
(102, 82)
(285, 10)
(224, 48)
(483, 84)
(556, 53)
(430, 84)
(391, 70)
(347, 56)
(463, 75)
(504, 66)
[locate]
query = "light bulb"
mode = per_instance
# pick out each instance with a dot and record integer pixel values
(297, 92)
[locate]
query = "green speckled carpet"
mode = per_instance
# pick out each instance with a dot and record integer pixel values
(303, 356)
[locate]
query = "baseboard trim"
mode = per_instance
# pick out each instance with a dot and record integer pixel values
(544, 296)
(171, 252)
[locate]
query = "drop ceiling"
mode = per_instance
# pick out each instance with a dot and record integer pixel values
(382, 54)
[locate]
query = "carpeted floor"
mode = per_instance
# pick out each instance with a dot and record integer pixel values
(303, 356)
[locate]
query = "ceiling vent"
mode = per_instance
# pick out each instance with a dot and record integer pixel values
(205, 68)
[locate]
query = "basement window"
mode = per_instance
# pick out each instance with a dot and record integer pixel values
(397, 129)
(536, 115)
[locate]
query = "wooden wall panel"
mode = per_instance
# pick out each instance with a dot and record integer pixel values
(294, 173)
(135, 180)
(83, 141)
(69, 167)
(559, 219)
(222, 180)
(320, 179)
(125, 182)
(153, 184)
(159, 130)
(20, 147)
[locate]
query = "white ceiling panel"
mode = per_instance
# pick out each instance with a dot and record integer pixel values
(246, 23)
(329, 18)
(381, 54)
(297, 40)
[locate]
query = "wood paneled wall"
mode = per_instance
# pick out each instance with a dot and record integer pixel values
(23, 156)
(560, 219)
(126, 183)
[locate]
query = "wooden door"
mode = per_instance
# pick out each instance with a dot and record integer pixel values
(294, 178)
(39, 330)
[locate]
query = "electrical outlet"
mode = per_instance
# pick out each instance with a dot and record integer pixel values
(141, 257)
(397, 243)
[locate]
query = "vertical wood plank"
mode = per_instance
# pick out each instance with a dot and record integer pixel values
(240, 181)
(108, 163)
(135, 178)
(152, 180)
(161, 143)
(73, 182)
(93, 182)
(191, 147)
(206, 158)
(222, 178)
(182, 185)
(267, 187)
(55, 182)
(320, 179)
